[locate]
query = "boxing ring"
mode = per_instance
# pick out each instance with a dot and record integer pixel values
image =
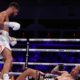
(27, 49)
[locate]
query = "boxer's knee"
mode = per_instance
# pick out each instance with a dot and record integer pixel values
(9, 59)
(7, 54)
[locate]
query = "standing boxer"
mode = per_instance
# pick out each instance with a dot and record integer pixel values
(5, 39)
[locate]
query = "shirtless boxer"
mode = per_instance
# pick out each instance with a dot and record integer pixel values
(64, 75)
(5, 39)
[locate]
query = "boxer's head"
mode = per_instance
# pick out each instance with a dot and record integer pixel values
(14, 8)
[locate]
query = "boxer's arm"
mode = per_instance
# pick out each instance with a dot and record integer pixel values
(59, 72)
(23, 75)
(13, 25)
(29, 72)
(75, 71)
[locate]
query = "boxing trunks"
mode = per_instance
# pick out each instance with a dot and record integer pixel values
(4, 40)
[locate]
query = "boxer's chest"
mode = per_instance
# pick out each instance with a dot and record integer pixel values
(64, 78)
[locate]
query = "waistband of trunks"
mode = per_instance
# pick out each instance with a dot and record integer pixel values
(3, 32)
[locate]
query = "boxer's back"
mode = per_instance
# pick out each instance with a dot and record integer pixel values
(3, 18)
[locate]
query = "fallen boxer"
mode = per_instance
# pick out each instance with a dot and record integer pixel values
(61, 75)
(64, 75)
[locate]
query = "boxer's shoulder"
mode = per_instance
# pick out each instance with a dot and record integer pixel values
(3, 14)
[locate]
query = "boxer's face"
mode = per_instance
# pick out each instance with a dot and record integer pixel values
(15, 11)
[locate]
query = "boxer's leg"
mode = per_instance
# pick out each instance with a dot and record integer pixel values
(30, 72)
(7, 61)
(23, 75)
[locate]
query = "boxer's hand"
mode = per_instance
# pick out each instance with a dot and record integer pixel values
(75, 71)
(13, 25)
(13, 41)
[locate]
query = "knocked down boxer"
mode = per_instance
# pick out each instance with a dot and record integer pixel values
(64, 75)
(61, 75)
(5, 39)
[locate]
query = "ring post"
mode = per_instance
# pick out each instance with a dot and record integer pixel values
(27, 54)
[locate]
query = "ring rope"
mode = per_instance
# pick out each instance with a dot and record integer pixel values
(47, 50)
(17, 63)
(15, 73)
(18, 49)
(65, 40)
(21, 39)
(54, 64)
(40, 63)
(55, 50)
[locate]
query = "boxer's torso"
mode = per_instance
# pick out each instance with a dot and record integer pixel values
(3, 18)
(65, 77)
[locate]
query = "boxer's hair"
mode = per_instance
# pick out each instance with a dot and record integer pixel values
(14, 4)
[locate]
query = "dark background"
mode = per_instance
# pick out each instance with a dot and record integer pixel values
(47, 19)
(47, 16)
